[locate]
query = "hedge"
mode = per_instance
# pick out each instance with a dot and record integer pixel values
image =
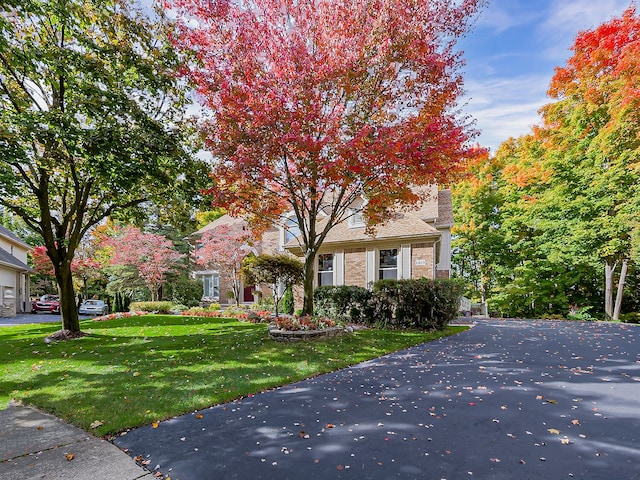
(159, 307)
(422, 303)
(343, 303)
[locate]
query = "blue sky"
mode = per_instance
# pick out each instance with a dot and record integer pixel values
(511, 54)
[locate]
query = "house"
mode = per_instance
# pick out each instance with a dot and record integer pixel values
(413, 244)
(14, 274)
(216, 284)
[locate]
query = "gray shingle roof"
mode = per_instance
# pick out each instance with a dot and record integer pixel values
(9, 260)
(4, 232)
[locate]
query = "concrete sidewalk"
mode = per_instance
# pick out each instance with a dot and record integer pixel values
(35, 445)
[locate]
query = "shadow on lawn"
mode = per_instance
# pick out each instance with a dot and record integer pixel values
(144, 369)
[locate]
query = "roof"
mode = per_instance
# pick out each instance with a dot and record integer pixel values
(226, 219)
(422, 222)
(10, 261)
(404, 225)
(4, 232)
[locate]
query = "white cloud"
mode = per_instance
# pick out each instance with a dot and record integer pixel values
(502, 15)
(565, 19)
(505, 107)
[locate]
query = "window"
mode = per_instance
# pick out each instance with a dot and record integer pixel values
(356, 219)
(211, 286)
(325, 269)
(291, 229)
(388, 264)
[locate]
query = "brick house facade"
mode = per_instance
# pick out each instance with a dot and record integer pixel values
(414, 244)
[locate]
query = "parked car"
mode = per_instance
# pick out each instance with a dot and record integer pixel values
(46, 303)
(93, 307)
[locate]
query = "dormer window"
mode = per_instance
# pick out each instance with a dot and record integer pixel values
(356, 220)
(291, 229)
(356, 214)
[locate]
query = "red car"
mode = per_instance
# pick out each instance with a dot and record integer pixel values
(46, 303)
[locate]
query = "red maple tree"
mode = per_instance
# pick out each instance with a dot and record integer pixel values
(224, 248)
(153, 256)
(318, 104)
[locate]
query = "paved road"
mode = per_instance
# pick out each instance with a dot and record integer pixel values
(505, 400)
(25, 318)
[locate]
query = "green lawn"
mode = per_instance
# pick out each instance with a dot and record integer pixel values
(134, 371)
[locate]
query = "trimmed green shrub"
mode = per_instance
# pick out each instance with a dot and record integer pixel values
(287, 301)
(423, 303)
(633, 317)
(160, 307)
(344, 303)
(183, 290)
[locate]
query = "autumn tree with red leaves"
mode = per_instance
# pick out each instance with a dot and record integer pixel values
(316, 104)
(224, 248)
(153, 256)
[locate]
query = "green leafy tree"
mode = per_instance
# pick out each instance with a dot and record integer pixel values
(592, 135)
(279, 271)
(564, 200)
(90, 121)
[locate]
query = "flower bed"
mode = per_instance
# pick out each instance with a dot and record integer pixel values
(113, 316)
(291, 329)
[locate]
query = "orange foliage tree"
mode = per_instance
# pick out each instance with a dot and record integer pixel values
(317, 104)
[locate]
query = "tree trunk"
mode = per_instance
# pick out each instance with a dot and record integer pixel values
(309, 262)
(608, 290)
(621, 281)
(68, 307)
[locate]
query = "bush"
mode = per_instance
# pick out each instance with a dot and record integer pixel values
(582, 314)
(633, 317)
(160, 307)
(423, 303)
(233, 311)
(287, 301)
(306, 322)
(344, 303)
(183, 290)
(201, 312)
(263, 303)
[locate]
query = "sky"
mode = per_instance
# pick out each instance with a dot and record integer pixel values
(511, 54)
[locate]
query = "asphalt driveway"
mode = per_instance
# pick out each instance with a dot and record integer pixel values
(507, 399)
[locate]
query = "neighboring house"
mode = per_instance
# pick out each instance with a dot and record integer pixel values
(216, 284)
(414, 244)
(14, 274)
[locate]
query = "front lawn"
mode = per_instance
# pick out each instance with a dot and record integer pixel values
(134, 371)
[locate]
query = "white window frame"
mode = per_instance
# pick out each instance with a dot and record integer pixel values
(356, 218)
(382, 269)
(214, 279)
(325, 272)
